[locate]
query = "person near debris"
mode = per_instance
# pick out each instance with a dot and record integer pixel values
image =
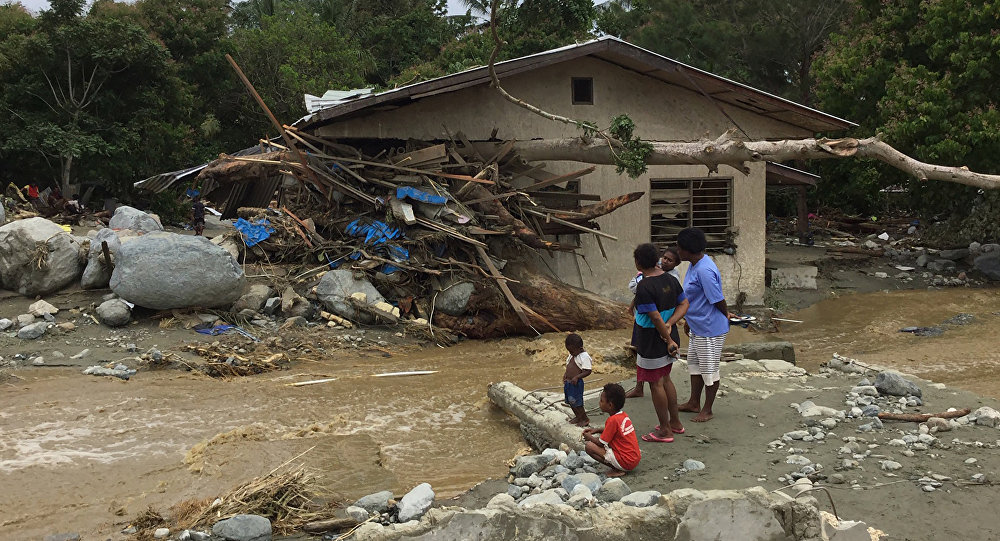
(578, 366)
(198, 215)
(31, 191)
(706, 324)
(659, 304)
(668, 263)
(617, 446)
(73, 206)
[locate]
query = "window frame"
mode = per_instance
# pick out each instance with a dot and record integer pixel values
(718, 234)
(572, 90)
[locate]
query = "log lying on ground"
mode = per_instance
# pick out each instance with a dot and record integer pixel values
(564, 306)
(543, 424)
(921, 417)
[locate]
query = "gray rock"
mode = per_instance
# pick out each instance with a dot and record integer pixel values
(693, 465)
(95, 274)
(990, 248)
(643, 498)
(126, 217)
(612, 490)
(375, 503)
(3, 214)
(357, 513)
(892, 383)
(294, 321)
(985, 416)
(5, 324)
(164, 271)
(525, 466)
(114, 313)
(63, 537)
(870, 411)
(515, 491)
(573, 462)
(922, 260)
(745, 519)
(254, 298)
(975, 248)
(549, 497)
(989, 264)
(454, 298)
(954, 255)
(591, 480)
(940, 265)
(336, 287)
(243, 528)
(161, 533)
(764, 350)
(33, 331)
(272, 305)
(891, 465)
(24, 320)
(293, 304)
(19, 263)
(416, 502)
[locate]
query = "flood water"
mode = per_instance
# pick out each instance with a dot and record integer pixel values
(84, 454)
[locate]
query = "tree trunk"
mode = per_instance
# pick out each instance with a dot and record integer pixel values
(726, 150)
(566, 307)
(67, 187)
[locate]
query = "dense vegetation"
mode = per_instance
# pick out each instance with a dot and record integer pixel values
(106, 95)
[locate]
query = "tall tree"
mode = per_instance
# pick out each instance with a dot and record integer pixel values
(921, 74)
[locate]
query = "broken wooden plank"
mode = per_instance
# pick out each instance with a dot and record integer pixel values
(435, 153)
(570, 224)
(514, 303)
(559, 179)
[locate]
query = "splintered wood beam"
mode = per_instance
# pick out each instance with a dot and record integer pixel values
(514, 303)
(570, 224)
(559, 179)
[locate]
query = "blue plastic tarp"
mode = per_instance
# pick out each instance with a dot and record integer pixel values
(374, 231)
(254, 232)
(409, 192)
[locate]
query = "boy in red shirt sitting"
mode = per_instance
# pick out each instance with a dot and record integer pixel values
(617, 447)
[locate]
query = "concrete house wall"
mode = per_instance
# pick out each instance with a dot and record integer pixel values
(661, 111)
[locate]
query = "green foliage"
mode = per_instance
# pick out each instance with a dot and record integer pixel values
(920, 74)
(170, 207)
(632, 158)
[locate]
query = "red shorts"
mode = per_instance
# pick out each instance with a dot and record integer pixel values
(652, 376)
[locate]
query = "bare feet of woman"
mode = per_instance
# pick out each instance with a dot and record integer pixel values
(636, 392)
(702, 417)
(689, 407)
(582, 423)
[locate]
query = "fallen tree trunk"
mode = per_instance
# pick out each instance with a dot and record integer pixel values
(921, 417)
(488, 205)
(589, 214)
(543, 424)
(727, 150)
(565, 307)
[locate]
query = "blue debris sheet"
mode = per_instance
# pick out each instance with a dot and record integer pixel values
(254, 232)
(378, 235)
(409, 192)
(221, 329)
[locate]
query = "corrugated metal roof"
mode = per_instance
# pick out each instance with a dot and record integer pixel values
(334, 97)
(164, 181)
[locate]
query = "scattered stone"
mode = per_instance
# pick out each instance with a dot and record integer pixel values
(525, 466)
(612, 491)
(416, 502)
(5, 324)
(165, 270)
(693, 465)
(548, 497)
(764, 350)
(161, 533)
(272, 305)
(970, 461)
(591, 480)
(337, 286)
(243, 528)
(96, 274)
(891, 465)
(642, 498)
(892, 383)
(81, 355)
(114, 313)
(796, 434)
(38, 361)
(927, 488)
(837, 479)
(357, 513)
(454, 297)
(954, 255)
(41, 308)
(33, 331)
(254, 298)
(119, 371)
(985, 416)
(375, 503)
(295, 321)
(573, 461)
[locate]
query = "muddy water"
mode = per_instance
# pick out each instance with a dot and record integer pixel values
(84, 454)
(91, 452)
(867, 327)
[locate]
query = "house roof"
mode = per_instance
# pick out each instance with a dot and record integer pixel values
(783, 175)
(608, 49)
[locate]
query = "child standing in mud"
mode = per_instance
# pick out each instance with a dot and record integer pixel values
(617, 447)
(578, 366)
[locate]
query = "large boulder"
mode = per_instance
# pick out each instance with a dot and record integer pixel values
(892, 383)
(37, 257)
(735, 517)
(337, 286)
(989, 265)
(454, 298)
(114, 313)
(96, 275)
(165, 270)
(130, 218)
